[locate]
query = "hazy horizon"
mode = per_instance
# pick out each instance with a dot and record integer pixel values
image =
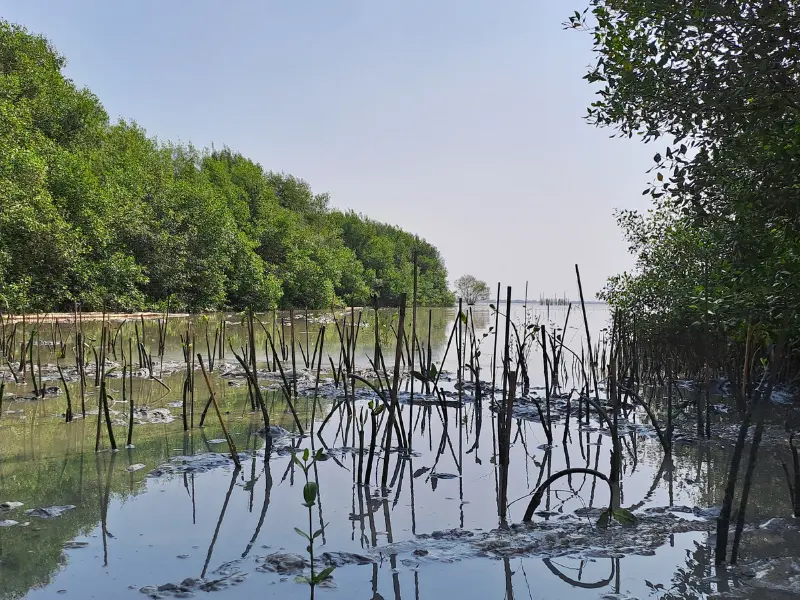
(461, 122)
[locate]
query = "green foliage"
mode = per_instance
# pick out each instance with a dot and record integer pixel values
(472, 290)
(716, 84)
(387, 255)
(310, 495)
(100, 213)
(621, 515)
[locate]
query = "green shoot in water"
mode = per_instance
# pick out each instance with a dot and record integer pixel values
(310, 493)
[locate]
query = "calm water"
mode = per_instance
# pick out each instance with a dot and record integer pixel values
(431, 534)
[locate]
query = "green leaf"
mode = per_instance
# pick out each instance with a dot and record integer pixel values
(301, 532)
(324, 574)
(624, 516)
(303, 579)
(310, 492)
(419, 376)
(306, 454)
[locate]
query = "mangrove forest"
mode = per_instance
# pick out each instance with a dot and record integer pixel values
(98, 213)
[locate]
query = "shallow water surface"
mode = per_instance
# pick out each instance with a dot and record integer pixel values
(173, 512)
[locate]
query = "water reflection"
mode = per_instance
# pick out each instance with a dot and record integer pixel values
(191, 523)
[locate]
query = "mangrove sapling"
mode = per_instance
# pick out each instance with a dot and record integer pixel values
(39, 360)
(637, 400)
(344, 359)
(2, 390)
(321, 343)
(286, 389)
(251, 332)
(128, 362)
(592, 364)
(504, 441)
(413, 341)
(317, 348)
(429, 353)
(308, 347)
(355, 328)
(13, 373)
(294, 359)
(211, 351)
(104, 397)
(334, 372)
(446, 350)
(256, 391)
(231, 446)
(304, 356)
(23, 353)
(310, 497)
(96, 367)
(621, 515)
(139, 344)
(557, 359)
(33, 375)
(68, 415)
(386, 401)
(548, 425)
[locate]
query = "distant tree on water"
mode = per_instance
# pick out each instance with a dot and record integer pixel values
(472, 290)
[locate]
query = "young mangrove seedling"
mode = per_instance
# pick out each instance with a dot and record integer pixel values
(310, 494)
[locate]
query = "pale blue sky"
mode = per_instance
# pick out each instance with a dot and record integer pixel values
(460, 120)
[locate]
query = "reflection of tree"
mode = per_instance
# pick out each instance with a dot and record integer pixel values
(28, 561)
(699, 578)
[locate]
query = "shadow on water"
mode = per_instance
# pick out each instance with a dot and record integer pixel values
(173, 516)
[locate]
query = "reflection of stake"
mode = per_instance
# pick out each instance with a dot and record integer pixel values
(221, 516)
(104, 504)
(264, 507)
(509, 584)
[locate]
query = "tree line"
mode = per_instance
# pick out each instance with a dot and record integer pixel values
(99, 213)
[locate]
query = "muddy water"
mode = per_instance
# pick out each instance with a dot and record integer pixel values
(171, 517)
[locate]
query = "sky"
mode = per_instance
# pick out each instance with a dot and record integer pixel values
(458, 120)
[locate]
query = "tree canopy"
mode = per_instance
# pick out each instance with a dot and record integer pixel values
(716, 86)
(471, 289)
(99, 213)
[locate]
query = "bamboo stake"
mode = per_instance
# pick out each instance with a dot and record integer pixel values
(231, 446)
